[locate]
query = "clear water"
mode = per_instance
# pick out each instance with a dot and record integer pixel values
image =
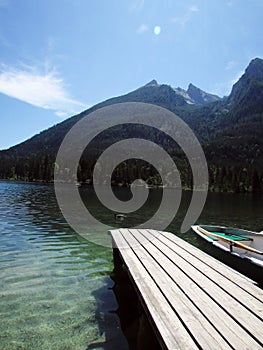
(55, 287)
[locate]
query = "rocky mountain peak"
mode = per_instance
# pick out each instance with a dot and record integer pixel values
(199, 96)
(255, 69)
(152, 83)
(253, 75)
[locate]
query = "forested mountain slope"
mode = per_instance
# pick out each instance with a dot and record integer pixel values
(229, 129)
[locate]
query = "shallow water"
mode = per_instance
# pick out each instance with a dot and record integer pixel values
(55, 286)
(55, 289)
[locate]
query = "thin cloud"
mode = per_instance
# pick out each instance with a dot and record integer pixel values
(182, 20)
(194, 8)
(142, 29)
(61, 114)
(45, 90)
(230, 64)
(137, 5)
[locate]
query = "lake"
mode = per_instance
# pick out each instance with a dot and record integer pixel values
(56, 291)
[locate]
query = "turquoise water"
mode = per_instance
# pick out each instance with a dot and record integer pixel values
(55, 287)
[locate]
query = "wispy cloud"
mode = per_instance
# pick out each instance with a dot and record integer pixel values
(193, 8)
(231, 64)
(136, 5)
(42, 89)
(186, 16)
(142, 29)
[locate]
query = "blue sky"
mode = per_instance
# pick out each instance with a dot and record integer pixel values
(59, 57)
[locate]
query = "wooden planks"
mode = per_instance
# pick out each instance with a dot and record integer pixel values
(193, 300)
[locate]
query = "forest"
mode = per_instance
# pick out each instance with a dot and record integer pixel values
(235, 179)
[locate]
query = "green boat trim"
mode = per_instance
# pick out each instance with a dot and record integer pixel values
(228, 236)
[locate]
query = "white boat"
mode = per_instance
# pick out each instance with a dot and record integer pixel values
(241, 243)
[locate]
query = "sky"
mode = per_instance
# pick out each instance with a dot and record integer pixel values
(60, 57)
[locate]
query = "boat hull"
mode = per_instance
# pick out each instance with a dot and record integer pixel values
(241, 243)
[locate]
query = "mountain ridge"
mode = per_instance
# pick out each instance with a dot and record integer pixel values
(228, 128)
(149, 96)
(193, 94)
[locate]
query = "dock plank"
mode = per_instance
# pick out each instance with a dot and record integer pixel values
(191, 303)
(228, 272)
(243, 293)
(173, 334)
(208, 291)
(188, 313)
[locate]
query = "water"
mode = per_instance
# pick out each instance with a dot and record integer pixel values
(55, 289)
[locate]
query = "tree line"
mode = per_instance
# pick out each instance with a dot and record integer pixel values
(235, 179)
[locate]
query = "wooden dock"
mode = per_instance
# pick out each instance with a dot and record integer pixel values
(192, 300)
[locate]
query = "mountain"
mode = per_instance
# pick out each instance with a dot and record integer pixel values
(194, 95)
(166, 95)
(229, 130)
(154, 93)
(240, 120)
(247, 94)
(199, 96)
(252, 75)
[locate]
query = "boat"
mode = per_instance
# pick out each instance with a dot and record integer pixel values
(241, 243)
